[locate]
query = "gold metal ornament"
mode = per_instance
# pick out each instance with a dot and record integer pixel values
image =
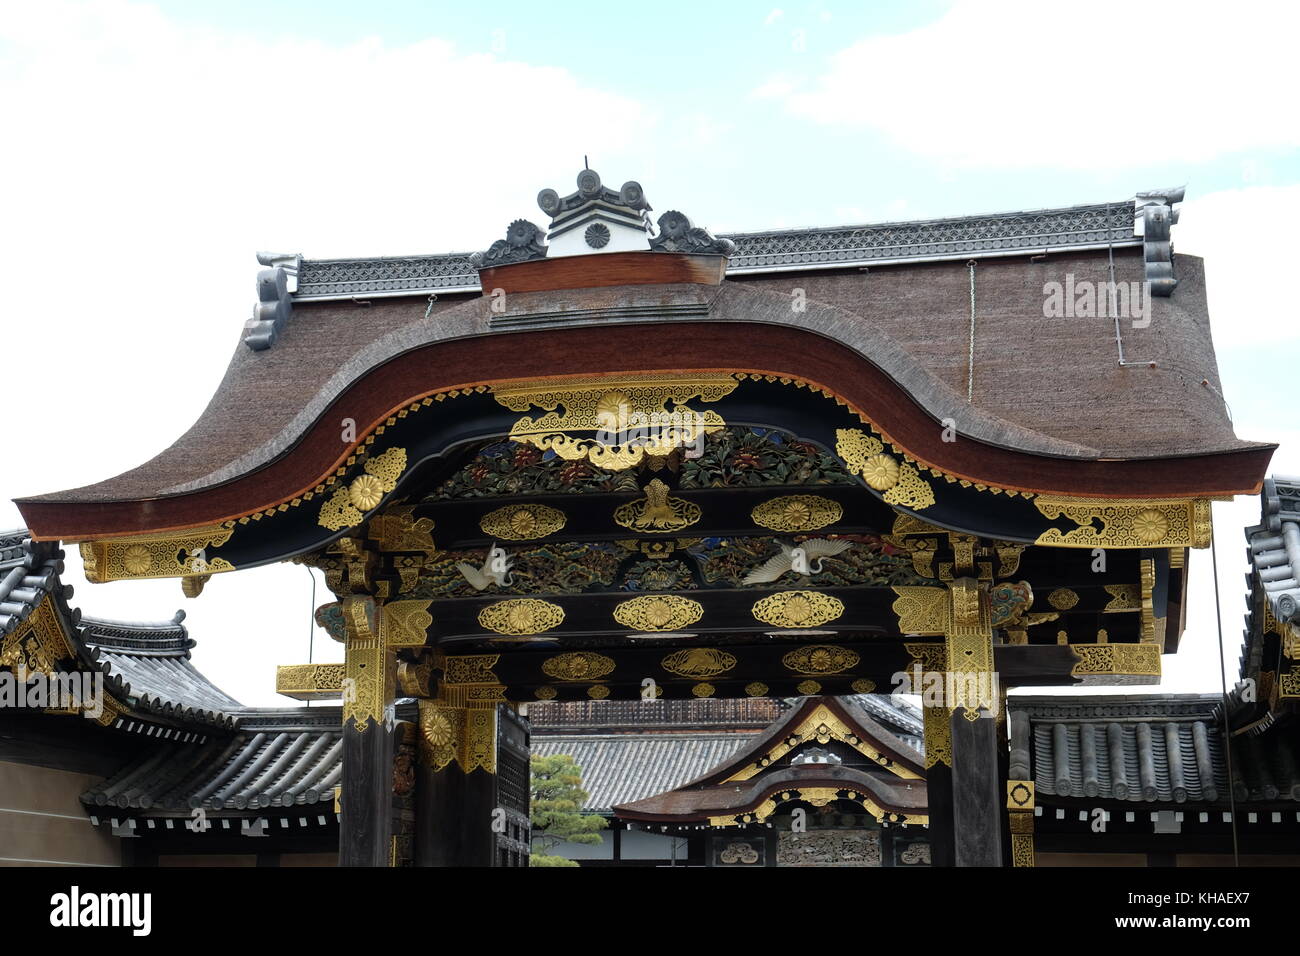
(526, 522)
(578, 666)
(863, 686)
(407, 623)
(793, 513)
(820, 659)
(598, 692)
(1063, 599)
(704, 690)
(797, 609)
(756, 689)
(658, 612)
(901, 484)
(698, 662)
(809, 688)
(520, 616)
(545, 692)
(616, 422)
(1116, 663)
(1127, 522)
(310, 681)
(167, 555)
(921, 610)
(657, 513)
(345, 508)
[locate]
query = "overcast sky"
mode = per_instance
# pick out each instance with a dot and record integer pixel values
(151, 149)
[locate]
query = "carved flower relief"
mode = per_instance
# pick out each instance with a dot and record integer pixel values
(137, 559)
(438, 730)
(578, 666)
(880, 472)
(1151, 526)
(756, 689)
(366, 492)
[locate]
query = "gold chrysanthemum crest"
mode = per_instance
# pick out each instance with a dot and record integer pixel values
(792, 513)
(797, 609)
(525, 522)
(658, 612)
(521, 616)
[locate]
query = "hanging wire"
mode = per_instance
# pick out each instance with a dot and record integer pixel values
(1223, 687)
(970, 358)
(311, 619)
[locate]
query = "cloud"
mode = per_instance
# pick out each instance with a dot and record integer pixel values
(147, 161)
(1020, 83)
(1242, 236)
(772, 17)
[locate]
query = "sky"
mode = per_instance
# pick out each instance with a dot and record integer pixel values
(152, 149)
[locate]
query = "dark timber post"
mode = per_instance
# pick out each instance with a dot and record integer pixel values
(977, 801)
(458, 818)
(365, 832)
(938, 775)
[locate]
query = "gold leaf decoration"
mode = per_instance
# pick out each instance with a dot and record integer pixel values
(808, 688)
(658, 612)
(545, 692)
(865, 456)
(797, 609)
(346, 507)
(704, 690)
(791, 513)
(820, 659)
(616, 423)
(657, 513)
(578, 666)
(407, 623)
(863, 686)
(880, 472)
(1127, 522)
(756, 689)
(521, 616)
(164, 555)
(911, 491)
(921, 610)
(597, 691)
(525, 522)
(1063, 599)
(698, 662)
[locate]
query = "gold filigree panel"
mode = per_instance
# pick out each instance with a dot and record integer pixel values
(899, 482)
(797, 609)
(793, 513)
(820, 660)
(658, 612)
(657, 512)
(521, 616)
(310, 681)
(168, 555)
(698, 663)
(1116, 663)
(526, 522)
(578, 666)
(1126, 522)
(347, 506)
(634, 411)
(407, 623)
(922, 610)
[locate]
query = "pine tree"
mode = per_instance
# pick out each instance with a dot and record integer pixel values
(557, 817)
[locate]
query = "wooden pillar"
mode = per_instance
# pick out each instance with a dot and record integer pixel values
(366, 801)
(976, 788)
(938, 776)
(1020, 794)
(458, 817)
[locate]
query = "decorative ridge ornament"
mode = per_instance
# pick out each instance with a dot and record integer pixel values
(596, 219)
(677, 234)
(523, 242)
(657, 513)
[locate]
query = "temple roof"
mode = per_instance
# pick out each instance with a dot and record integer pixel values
(28, 573)
(151, 662)
(328, 337)
(1144, 749)
(1274, 547)
(279, 758)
